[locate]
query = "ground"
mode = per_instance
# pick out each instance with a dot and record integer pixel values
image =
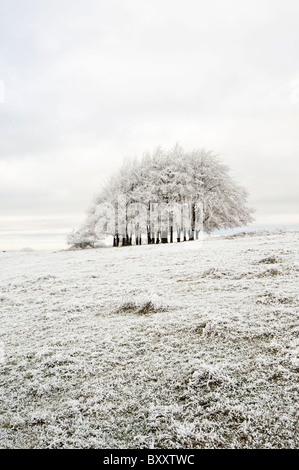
(190, 345)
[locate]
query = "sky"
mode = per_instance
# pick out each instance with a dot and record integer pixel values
(84, 84)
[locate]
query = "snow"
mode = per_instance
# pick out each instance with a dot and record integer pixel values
(159, 346)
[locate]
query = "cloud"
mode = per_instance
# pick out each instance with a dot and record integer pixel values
(295, 91)
(87, 84)
(2, 92)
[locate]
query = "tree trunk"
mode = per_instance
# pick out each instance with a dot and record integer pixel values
(192, 231)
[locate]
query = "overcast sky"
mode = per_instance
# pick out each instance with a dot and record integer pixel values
(85, 83)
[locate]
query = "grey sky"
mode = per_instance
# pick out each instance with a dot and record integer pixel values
(89, 82)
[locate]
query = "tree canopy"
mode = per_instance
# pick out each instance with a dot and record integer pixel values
(169, 177)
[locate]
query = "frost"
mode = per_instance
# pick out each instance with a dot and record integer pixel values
(270, 272)
(152, 346)
(269, 260)
(142, 304)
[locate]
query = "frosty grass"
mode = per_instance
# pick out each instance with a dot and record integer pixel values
(191, 345)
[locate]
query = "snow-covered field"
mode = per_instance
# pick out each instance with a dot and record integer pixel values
(165, 346)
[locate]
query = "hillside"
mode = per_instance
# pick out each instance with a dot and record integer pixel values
(163, 346)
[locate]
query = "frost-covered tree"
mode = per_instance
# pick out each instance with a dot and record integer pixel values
(168, 187)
